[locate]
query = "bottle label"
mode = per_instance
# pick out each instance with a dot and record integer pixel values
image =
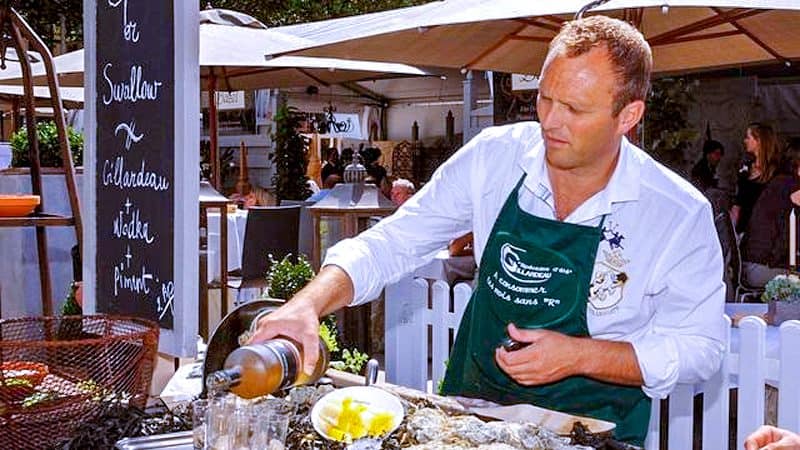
(289, 358)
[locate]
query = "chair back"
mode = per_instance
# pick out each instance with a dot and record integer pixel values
(730, 252)
(306, 231)
(269, 230)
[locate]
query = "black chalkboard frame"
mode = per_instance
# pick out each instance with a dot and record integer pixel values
(130, 116)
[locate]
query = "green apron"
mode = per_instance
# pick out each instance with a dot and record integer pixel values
(535, 272)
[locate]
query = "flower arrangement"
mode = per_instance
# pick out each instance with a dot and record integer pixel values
(782, 288)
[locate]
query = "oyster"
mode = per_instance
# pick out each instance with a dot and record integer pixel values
(432, 429)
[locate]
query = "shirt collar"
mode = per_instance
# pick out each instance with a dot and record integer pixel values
(623, 186)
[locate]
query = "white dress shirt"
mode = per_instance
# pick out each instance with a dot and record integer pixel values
(657, 281)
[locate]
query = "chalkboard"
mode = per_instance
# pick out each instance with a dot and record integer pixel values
(135, 154)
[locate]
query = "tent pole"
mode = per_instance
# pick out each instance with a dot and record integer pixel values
(212, 131)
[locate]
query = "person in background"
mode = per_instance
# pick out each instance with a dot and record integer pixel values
(768, 437)
(327, 186)
(762, 148)
(765, 245)
(331, 165)
(402, 190)
(344, 160)
(704, 173)
(375, 171)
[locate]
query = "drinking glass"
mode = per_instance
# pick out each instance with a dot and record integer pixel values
(199, 411)
(219, 423)
(270, 423)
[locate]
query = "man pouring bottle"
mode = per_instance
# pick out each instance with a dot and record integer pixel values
(600, 273)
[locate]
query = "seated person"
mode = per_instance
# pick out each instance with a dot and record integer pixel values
(327, 186)
(331, 165)
(258, 196)
(704, 173)
(765, 246)
(402, 190)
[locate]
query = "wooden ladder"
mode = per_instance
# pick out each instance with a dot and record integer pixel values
(24, 38)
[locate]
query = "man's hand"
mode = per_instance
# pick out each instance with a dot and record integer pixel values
(771, 438)
(298, 319)
(548, 358)
(553, 356)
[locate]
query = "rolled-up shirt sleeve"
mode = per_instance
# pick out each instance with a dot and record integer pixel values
(426, 223)
(685, 341)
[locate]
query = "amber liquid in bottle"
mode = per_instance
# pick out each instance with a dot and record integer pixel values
(260, 369)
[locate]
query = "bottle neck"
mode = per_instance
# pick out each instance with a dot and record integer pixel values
(223, 380)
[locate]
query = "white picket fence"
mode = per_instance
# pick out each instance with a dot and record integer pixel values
(422, 319)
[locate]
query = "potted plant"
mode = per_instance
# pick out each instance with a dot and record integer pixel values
(286, 276)
(782, 293)
(289, 156)
(49, 147)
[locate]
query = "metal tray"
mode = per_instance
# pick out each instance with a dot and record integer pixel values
(171, 441)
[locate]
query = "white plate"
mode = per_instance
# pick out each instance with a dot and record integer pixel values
(376, 400)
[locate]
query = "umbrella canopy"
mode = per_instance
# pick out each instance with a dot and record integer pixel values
(232, 48)
(513, 35)
(72, 98)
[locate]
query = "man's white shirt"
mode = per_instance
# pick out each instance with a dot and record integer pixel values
(657, 280)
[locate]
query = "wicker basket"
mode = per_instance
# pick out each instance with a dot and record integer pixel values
(56, 371)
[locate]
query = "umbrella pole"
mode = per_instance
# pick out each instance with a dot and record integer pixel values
(212, 131)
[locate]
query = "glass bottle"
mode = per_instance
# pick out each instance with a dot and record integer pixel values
(267, 367)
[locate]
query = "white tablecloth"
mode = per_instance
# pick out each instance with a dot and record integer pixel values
(236, 227)
(449, 268)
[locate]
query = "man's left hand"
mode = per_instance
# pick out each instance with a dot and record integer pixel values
(551, 356)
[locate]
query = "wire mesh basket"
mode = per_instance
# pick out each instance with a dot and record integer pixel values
(56, 372)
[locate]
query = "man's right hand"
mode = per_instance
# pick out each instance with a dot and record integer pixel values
(298, 319)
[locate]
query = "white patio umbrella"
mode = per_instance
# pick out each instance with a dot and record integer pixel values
(232, 57)
(512, 35)
(232, 50)
(71, 97)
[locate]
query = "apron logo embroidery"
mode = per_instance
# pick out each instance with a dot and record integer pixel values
(608, 282)
(518, 270)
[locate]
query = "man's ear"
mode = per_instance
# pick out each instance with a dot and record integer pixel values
(630, 115)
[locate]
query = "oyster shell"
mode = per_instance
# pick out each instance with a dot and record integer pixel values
(433, 429)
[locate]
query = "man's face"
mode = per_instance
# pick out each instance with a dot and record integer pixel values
(575, 107)
(400, 194)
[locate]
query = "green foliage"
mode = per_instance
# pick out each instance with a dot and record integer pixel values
(290, 161)
(328, 336)
(668, 132)
(351, 361)
(71, 306)
(49, 148)
(286, 277)
(782, 288)
(45, 19)
(286, 12)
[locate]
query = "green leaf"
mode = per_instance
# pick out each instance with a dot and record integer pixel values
(49, 146)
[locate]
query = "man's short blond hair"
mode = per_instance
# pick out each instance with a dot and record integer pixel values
(629, 52)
